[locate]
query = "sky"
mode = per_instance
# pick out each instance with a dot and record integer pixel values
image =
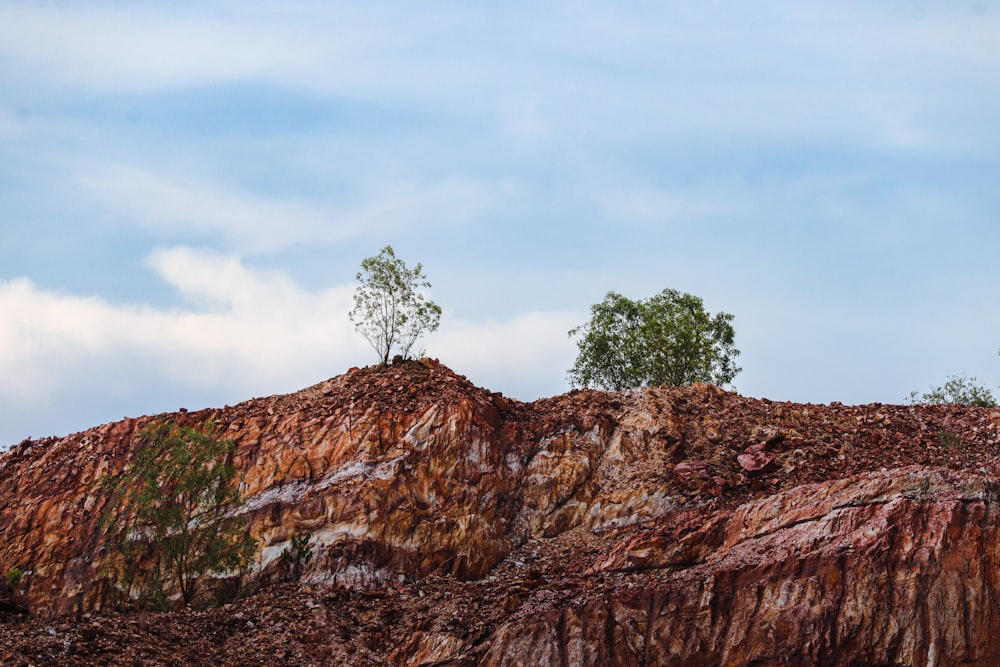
(187, 190)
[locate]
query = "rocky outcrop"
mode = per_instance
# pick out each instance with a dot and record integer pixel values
(887, 568)
(662, 526)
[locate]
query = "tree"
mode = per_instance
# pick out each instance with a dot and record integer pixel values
(668, 339)
(389, 310)
(957, 390)
(171, 514)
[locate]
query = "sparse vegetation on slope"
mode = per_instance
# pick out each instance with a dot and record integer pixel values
(170, 519)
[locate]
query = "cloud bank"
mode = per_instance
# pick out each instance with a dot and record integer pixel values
(241, 332)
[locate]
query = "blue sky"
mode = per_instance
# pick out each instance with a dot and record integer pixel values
(187, 190)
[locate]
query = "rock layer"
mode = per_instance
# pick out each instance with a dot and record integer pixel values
(661, 526)
(887, 568)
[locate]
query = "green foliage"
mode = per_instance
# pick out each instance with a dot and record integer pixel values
(389, 310)
(949, 440)
(14, 577)
(170, 517)
(958, 390)
(668, 339)
(299, 555)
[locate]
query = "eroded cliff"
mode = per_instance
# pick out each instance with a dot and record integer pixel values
(450, 525)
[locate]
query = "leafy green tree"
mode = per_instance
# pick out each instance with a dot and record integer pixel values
(389, 310)
(170, 518)
(668, 339)
(957, 390)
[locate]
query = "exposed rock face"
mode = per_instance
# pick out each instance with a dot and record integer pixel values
(660, 526)
(885, 568)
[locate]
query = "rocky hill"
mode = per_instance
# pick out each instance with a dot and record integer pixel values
(454, 526)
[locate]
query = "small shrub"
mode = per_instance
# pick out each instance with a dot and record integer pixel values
(958, 390)
(949, 440)
(299, 555)
(14, 577)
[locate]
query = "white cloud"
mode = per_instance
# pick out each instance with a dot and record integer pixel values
(563, 75)
(261, 331)
(523, 120)
(637, 202)
(426, 205)
(177, 208)
(525, 356)
(180, 207)
(246, 332)
(10, 125)
(118, 48)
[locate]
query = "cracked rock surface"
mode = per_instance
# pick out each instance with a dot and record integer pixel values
(454, 526)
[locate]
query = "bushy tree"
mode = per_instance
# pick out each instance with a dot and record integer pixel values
(668, 339)
(957, 390)
(389, 309)
(171, 515)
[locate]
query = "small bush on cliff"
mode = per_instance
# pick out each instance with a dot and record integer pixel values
(389, 310)
(958, 390)
(299, 555)
(14, 576)
(668, 339)
(170, 517)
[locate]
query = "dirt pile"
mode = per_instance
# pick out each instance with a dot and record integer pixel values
(451, 525)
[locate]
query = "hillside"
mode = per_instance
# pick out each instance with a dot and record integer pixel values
(454, 526)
